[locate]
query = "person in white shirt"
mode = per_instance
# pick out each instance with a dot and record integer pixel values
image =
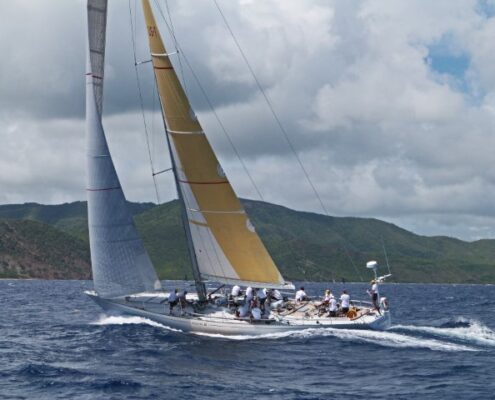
(301, 295)
(323, 306)
(345, 301)
(172, 300)
(255, 311)
(373, 292)
(249, 294)
(261, 294)
(236, 291)
(275, 299)
(332, 307)
(243, 311)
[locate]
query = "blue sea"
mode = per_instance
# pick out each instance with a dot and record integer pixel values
(56, 344)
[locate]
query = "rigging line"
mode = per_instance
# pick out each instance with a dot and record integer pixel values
(386, 256)
(214, 112)
(133, 32)
(279, 123)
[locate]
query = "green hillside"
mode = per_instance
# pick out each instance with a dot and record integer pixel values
(32, 249)
(306, 246)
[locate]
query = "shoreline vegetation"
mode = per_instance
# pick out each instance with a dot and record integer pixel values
(51, 242)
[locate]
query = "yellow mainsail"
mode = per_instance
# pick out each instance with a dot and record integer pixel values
(226, 245)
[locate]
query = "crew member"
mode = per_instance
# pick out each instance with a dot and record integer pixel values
(261, 294)
(275, 299)
(172, 300)
(182, 299)
(236, 291)
(345, 301)
(301, 295)
(249, 294)
(332, 306)
(373, 292)
(255, 311)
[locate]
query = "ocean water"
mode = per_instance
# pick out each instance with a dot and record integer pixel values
(56, 344)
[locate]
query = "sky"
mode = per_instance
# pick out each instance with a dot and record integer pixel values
(390, 104)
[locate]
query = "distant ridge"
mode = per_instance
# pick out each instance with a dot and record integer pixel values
(306, 246)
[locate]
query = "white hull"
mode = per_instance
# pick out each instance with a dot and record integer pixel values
(214, 324)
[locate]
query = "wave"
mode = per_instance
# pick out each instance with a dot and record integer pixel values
(381, 338)
(124, 320)
(470, 331)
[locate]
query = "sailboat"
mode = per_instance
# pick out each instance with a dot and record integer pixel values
(223, 244)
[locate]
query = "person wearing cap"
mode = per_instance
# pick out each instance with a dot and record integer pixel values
(301, 295)
(332, 306)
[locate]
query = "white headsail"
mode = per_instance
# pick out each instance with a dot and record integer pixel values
(119, 260)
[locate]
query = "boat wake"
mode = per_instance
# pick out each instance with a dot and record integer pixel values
(128, 320)
(466, 331)
(381, 338)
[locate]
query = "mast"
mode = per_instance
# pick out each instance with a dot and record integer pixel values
(200, 286)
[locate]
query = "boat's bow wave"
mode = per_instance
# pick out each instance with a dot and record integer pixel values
(467, 331)
(381, 338)
(128, 320)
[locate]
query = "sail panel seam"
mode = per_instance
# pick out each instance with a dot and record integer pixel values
(204, 182)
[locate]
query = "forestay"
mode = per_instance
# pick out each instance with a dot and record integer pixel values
(119, 260)
(226, 246)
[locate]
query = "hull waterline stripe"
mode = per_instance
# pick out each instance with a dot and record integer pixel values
(104, 189)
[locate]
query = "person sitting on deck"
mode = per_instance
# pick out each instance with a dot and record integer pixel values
(172, 300)
(301, 295)
(255, 311)
(332, 306)
(345, 300)
(275, 298)
(242, 311)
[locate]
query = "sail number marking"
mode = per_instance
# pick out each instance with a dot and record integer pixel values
(151, 31)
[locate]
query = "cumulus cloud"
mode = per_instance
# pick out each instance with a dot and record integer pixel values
(390, 104)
